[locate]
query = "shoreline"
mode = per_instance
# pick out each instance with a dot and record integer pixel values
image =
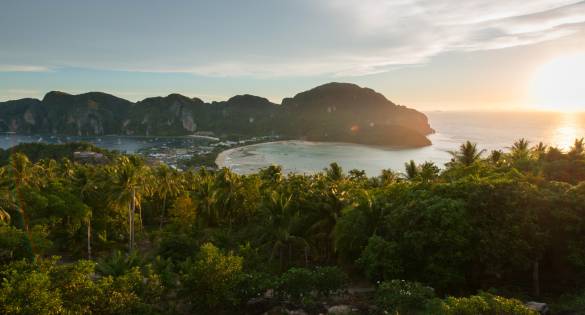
(221, 156)
(220, 160)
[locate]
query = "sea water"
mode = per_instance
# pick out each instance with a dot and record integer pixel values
(490, 130)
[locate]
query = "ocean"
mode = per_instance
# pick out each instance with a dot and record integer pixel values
(490, 130)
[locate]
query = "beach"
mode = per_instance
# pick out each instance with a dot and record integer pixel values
(224, 157)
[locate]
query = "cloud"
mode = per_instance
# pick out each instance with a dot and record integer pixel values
(394, 34)
(416, 31)
(23, 68)
(266, 38)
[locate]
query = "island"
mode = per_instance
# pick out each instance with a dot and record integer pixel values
(340, 112)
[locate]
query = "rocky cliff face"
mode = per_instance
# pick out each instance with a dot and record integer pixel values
(350, 105)
(347, 112)
(247, 114)
(171, 115)
(91, 113)
(23, 115)
(331, 112)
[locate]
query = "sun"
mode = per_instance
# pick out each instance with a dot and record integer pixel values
(559, 85)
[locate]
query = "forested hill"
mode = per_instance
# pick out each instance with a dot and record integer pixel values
(331, 112)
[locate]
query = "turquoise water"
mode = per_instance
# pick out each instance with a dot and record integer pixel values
(490, 130)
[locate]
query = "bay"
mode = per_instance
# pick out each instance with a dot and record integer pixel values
(490, 130)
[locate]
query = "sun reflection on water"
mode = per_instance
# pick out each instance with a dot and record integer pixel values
(568, 130)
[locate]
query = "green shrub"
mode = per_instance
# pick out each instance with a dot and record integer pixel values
(116, 296)
(296, 283)
(483, 304)
(299, 284)
(403, 297)
(29, 293)
(210, 282)
(78, 290)
(255, 284)
(329, 280)
(11, 244)
(165, 268)
(465, 305)
(380, 259)
(570, 303)
(119, 263)
(15, 243)
(177, 246)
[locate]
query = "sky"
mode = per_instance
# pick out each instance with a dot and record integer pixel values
(426, 54)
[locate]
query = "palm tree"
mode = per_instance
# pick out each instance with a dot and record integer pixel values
(388, 176)
(467, 155)
(230, 188)
(496, 157)
(539, 151)
(371, 207)
(24, 175)
(272, 174)
(5, 199)
(357, 175)
(85, 181)
(280, 221)
(367, 213)
(168, 185)
(520, 150)
(334, 172)
(50, 168)
(554, 154)
(129, 184)
(206, 197)
(428, 172)
(332, 199)
(411, 170)
(578, 148)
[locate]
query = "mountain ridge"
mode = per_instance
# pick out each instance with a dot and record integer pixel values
(329, 112)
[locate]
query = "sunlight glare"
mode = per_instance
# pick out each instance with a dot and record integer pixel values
(559, 85)
(567, 132)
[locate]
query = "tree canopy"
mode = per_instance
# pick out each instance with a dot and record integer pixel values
(167, 241)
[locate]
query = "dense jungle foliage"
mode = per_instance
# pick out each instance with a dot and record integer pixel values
(132, 238)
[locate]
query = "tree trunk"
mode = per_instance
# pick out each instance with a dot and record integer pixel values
(88, 238)
(536, 278)
(289, 254)
(140, 216)
(129, 227)
(24, 222)
(280, 254)
(162, 213)
(132, 218)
